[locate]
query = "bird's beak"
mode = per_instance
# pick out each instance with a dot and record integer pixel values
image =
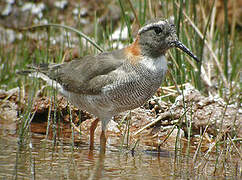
(181, 46)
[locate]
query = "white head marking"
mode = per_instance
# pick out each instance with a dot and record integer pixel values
(149, 26)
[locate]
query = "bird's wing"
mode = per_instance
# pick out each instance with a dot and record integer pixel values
(87, 75)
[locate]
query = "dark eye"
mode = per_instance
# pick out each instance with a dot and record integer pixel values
(157, 30)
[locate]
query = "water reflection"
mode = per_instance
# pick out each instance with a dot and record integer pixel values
(44, 159)
(62, 161)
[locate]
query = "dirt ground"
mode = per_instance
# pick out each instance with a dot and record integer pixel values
(152, 123)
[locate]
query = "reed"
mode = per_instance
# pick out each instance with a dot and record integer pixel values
(218, 47)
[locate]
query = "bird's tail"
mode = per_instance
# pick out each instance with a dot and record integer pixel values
(41, 71)
(41, 68)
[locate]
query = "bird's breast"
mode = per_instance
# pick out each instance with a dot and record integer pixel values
(154, 65)
(135, 84)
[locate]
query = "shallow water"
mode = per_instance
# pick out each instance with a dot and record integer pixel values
(44, 159)
(65, 162)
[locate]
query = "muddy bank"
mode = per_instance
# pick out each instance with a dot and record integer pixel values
(154, 124)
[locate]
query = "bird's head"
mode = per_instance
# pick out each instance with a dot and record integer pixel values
(157, 36)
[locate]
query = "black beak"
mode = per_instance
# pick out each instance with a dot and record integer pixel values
(181, 46)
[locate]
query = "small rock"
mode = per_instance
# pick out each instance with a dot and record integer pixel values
(61, 4)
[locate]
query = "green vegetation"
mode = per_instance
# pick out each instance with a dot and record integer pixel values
(218, 46)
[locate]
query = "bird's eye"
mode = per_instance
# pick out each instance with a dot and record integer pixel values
(157, 30)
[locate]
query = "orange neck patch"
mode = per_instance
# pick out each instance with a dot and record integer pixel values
(133, 52)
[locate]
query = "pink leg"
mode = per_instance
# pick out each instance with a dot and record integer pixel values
(92, 130)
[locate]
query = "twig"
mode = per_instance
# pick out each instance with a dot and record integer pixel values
(232, 141)
(76, 128)
(162, 116)
(69, 28)
(134, 12)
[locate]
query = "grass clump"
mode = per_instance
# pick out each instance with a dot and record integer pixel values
(218, 46)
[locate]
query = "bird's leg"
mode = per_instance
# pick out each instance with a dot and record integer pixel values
(102, 142)
(92, 130)
(103, 136)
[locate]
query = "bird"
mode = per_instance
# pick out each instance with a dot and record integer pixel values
(115, 81)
